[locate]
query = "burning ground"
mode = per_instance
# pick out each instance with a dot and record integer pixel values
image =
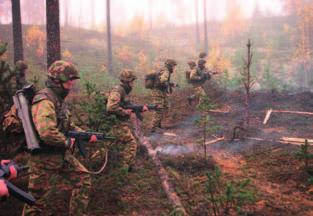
(277, 177)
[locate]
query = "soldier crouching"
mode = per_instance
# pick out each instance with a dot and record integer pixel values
(54, 177)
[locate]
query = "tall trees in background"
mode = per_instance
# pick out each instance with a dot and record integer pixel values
(93, 15)
(109, 42)
(206, 46)
(4, 10)
(66, 5)
(197, 25)
(17, 31)
(53, 31)
(150, 14)
(35, 12)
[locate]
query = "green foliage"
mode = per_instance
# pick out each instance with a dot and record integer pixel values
(310, 180)
(94, 106)
(228, 81)
(224, 196)
(304, 155)
(207, 125)
(269, 80)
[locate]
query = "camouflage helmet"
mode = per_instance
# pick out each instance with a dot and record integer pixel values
(3, 48)
(170, 62)
(191, 63)
(21, 65)
(63, 71)
(202, 55)
(127, 76)
(201, 62)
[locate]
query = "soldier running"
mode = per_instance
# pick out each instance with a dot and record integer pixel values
(160, 91)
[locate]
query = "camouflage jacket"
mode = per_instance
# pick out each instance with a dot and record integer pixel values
(51, 118)
(116, 101)
(164, 77)
(196, 74)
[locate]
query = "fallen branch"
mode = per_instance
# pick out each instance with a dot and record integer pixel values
(270, 111)
(215, 141)
(227, 110)
(169, 134)
(284, 140)
(296, 140)
(168, 188)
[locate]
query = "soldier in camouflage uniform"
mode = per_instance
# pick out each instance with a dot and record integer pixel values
(59, 187)
(197, 80)
(20, 74)
(160, 93)
(202, 55)
(123, 131)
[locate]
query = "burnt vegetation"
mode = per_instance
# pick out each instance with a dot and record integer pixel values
(250, 168)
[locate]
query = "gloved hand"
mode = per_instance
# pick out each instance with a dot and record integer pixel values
(145, 108)
(93, 138)
(4, 192)
(13, 171)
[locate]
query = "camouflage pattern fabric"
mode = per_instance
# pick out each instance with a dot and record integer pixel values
(56, 180)
(127, 142)
(126, 138)
(63, 71)
(159, 98)
(196, 74)
(199, 92)
(116, 101)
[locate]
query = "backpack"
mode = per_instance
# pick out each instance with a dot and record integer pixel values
(151, 80)
(12, 123)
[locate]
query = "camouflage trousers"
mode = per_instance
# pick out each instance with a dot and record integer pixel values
(126, 141)
(160, 98)
(58, 187)
(199, 92)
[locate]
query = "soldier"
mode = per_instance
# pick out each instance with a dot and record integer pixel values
(54, 171)
(198, 76)
(6, 91)
(20, 74)
(202, 55)
(117, 100)
(160, 92)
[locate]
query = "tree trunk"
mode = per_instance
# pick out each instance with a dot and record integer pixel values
(66, 14)
(150, 14)
(206, 48)
(197, 25)
(93, 15)
(17, 31)
(53, 31)
(110, 67)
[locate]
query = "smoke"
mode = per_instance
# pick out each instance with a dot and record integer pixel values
(175, 150)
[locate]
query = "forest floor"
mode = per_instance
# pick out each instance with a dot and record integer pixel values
(277, 177)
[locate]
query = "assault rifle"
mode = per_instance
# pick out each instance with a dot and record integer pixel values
(138, 109)
(85, 137)
(13, 190)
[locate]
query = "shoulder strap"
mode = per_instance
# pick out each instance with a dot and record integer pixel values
(47, 94)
